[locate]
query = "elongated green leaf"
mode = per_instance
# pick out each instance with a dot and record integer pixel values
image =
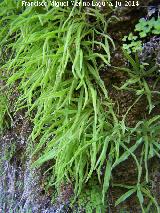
(107, 177)
(125, 196)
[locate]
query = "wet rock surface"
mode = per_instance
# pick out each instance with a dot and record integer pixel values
(151, 52)
(21, 189)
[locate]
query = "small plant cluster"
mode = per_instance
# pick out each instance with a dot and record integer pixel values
(144, 28)
(56, 60)
(3, 110)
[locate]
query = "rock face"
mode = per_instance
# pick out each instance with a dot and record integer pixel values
(151, 52)
(20, 186)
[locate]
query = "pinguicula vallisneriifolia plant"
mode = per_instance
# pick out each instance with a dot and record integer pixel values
(147, 130)
(56, 62)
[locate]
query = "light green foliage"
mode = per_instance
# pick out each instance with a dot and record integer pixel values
(142, 191)
(137, 79)
(145, 27)
(56, 58)
(133, 43)
(57, 65)
(146, 131)
(3, 110)
(90, 199)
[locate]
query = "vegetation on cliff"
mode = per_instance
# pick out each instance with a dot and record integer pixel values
(54, 57)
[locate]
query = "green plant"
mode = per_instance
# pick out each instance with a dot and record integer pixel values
(58, 66)
(145, 131)
(133, 43)
(145, 27)
(5, 117)
(3, 110)
(91, 200)
(137, 79)
(142, 191)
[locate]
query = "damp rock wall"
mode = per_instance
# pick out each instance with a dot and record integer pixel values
(21, 190)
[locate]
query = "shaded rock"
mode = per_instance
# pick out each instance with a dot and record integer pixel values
(20, 186)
